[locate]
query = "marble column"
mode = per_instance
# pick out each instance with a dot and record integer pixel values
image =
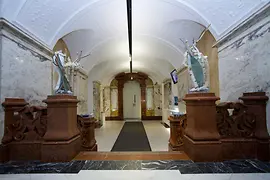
(107, 101)
(96, 99)
(163, 104)
(80, 89)
(158, 100)
(143, 99)
(120, 100)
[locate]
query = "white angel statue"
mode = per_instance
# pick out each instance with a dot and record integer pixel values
(62, 85)
(61, 63)
(198, 67)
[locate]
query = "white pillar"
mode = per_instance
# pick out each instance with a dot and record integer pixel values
(174, 92)
(164, 111)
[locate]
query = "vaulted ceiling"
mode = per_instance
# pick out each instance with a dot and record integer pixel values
(100, 27)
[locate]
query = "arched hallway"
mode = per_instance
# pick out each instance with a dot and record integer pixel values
(92, 87)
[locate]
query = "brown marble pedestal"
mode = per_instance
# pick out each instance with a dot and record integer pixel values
(87, 129)
(176, 133)
(201, 139)
(62, 140)
(256, 103)
(10, 105)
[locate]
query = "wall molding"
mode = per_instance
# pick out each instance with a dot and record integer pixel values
(152, 118)
(96, 82)
(246, 24)
(166, 81)
(181, 69)
(24, 40)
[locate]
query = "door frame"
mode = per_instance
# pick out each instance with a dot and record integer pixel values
(122, 78)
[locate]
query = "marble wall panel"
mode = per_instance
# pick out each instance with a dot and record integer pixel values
(114, 101)
(80, 88)
(107, 101)
(244, 60)
(25, 68)
(149, 98)
(96, 99)
(157, 100)
(183, 87)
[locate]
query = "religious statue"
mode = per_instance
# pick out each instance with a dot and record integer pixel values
(63, 66)
(198, 67)
(62, 85)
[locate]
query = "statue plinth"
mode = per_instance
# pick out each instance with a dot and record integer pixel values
(87, 129)
(177, 125)
(256, 103)
(10, 106)
(62, 139)
(201, 139)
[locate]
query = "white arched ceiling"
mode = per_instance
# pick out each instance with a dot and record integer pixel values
(100, 27)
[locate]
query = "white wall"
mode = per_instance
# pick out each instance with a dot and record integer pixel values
(244, 64)
(132, 88)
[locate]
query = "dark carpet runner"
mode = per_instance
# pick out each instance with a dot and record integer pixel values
(132, 138)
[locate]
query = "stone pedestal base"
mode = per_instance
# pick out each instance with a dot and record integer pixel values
(201, 139)
(4, 153)
(202, 151)
(62, 140)
(177, 125)
(256, 103)
(94, 148)
(171, 147)
(24, 151)
(60, 151)
(238, 148)
(263, 150)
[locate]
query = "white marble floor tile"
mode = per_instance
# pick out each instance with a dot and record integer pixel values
(15, 177)
(130, 174)
(250, 176)
(265, 176)
(187, 176)
(210, 176)
(157, 134)
(49, 176)
(107, 134)
(72, 176)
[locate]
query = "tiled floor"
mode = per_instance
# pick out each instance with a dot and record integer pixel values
(157, 134)
(107, 134)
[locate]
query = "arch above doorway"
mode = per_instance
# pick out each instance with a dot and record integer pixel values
(118, 84)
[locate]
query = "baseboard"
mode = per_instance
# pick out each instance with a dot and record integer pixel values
(151, 117)
(114, 118)
(165, 124)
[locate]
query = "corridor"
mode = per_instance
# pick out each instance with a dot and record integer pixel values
(157, 135)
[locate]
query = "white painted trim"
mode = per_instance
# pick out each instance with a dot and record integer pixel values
(18, 32)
